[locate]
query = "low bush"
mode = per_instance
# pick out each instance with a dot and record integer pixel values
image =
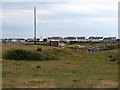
(38, 66)
(20, 54)
(108, 47)
(39, 49)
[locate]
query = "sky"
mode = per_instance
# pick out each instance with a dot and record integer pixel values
(60, 18)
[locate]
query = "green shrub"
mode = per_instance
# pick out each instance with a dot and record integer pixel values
(39, 49)
(38, 66)
(109, 47)
(20, 54)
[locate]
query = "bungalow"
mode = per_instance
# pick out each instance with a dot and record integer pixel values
(95, 39)
(30, 40)
(8, 40)
(81, 39)
(65, 39)
(14, 40)
(113, 38)
(20, 40)
(109, 39)
(49, 39)
(70, 39)
(54, 39)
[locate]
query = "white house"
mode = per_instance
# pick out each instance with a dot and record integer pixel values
(30, 40)
(18, 40)
(81, 39)
(8, 40)
(69, 39)
(95, 39)
(109, 39)
(14, 40)
(54, 39)
(49, 39)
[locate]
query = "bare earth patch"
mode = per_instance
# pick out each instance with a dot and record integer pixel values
(36, 83)
(107, 84)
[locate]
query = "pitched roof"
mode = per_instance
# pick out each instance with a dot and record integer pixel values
(71, 37)
(95, 37)
(29, 39)
(109, 38)
(20, 39)
(112, 37)
(106, 39)
(55, 37)
(65, 38)
(49, 37)
(80, 37)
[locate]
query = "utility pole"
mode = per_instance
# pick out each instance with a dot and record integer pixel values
(35, 25)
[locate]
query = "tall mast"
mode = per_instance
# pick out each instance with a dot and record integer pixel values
(34, 25)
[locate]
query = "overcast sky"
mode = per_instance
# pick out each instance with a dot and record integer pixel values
(60, 18)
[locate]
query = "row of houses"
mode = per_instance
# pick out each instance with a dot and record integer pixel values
(65, 39)
(81, 39)
(19, 40)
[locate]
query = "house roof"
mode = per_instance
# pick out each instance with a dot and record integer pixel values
(9, 39)
(95, 37)
(106, 39)
(80, 37)
(20, 39)
(112, 37)
(49, 37)
(109, 38)
(29, 39)
(71, 37)
(55, 37)
(65, 38)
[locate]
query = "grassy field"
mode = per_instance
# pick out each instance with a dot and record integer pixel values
(73, 69)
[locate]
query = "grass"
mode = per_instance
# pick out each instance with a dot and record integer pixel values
(74, 69)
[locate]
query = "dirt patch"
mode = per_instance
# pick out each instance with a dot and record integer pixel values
(47, 86)
(107, 84)
(35, 80)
